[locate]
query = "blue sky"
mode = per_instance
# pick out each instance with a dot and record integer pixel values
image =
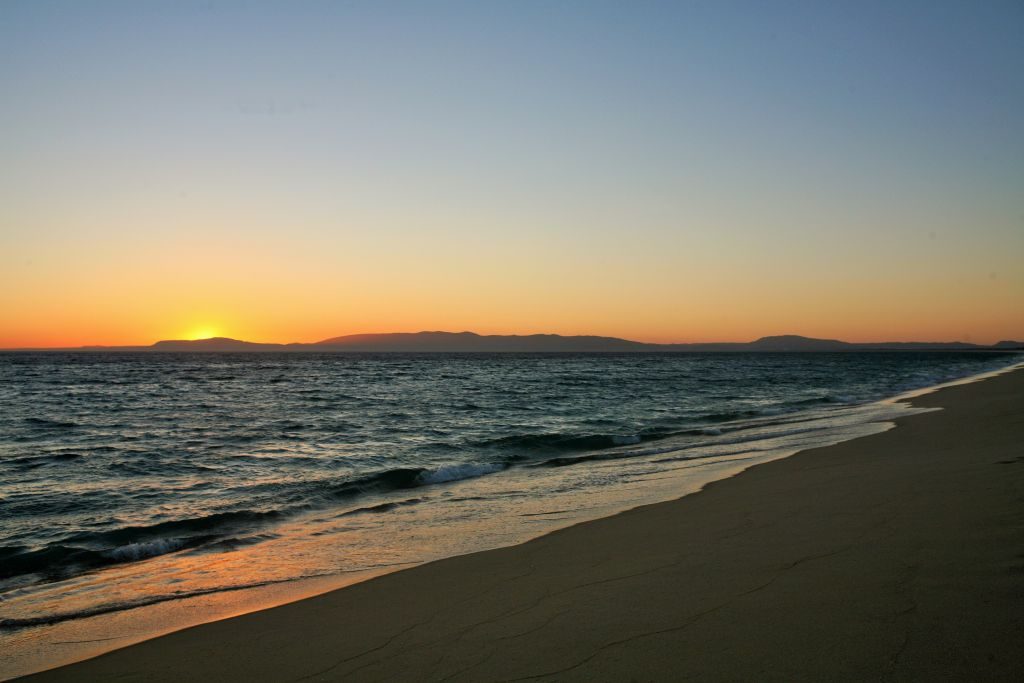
(617, 152)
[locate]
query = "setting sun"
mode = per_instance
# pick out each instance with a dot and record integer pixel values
(205, 332)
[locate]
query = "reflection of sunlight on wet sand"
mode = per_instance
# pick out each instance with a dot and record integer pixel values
(79, 639)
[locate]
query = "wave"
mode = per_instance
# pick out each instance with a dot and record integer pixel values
(459, 472)
(231, 543)
(709, 424)
(90, 550)
(730, 416)
(32, 461)
(741, 438)
(536, 443)
(43, 423)
(410, 477)
(57, 560)
(383, 507)
(142, 550)
(820, 400)
(215, 524)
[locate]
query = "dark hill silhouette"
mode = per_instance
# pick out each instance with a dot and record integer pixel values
(455, 342)
(793, 342)
(470, 342)
(211, 344)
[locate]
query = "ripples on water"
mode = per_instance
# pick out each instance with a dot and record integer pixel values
(130, 479)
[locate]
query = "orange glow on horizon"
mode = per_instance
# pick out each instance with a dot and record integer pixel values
(279, 289)
(254, 331)
(656, 186)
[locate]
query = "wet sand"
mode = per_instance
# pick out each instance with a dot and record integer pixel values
(894, 556)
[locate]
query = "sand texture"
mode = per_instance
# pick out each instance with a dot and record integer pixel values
(896, 556)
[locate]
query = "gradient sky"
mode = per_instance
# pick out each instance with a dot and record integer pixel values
(680, 171)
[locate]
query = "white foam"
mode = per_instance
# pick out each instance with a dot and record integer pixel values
(139, 551)
(457, 472)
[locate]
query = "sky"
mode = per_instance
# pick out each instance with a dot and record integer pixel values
(668, 172)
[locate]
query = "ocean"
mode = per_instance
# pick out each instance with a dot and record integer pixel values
(129, 480)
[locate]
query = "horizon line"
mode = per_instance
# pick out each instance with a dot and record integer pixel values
(477, 334)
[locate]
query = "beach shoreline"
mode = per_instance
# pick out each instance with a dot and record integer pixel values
(72, 619)
(395, 611)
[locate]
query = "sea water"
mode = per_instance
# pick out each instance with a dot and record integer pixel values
(130, 480)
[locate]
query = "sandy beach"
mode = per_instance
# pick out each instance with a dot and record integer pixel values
(894, 556)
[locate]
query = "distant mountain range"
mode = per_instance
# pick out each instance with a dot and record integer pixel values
(470, 342)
